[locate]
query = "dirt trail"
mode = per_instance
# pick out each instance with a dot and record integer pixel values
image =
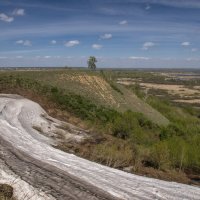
(38, 171)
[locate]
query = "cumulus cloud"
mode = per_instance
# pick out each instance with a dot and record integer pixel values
(97, 46)
(185, 44)
(148, 45)
(106, 36)
(124, 22)
(57, 57)
(148, 7)
(27, 43)
(72, 43)
(193, 59)
(19, 12)
(53, 41)
(19, 41)
(69, 57)
(47, 57)
(6, 18)
(24, 42)
(138, 58)
(194, 49)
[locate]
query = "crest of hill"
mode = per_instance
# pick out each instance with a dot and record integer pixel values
(99, 89)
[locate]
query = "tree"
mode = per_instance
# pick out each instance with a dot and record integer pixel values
(91, 62)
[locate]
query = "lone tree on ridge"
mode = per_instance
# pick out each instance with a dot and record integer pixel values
(91, 62)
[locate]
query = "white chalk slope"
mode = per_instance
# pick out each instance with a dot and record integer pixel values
(17, 117)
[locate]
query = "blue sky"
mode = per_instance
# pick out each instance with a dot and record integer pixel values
(120, 33)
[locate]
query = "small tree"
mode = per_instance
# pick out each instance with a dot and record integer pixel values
(91, 62)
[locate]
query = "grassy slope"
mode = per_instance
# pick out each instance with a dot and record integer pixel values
(131, 101)
(96, 88)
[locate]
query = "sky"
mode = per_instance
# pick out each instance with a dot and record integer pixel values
(119, 33)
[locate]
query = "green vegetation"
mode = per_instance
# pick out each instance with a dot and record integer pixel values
(178, 146)
(181, 137)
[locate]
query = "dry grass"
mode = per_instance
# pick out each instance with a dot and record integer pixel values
(92, 83)
(190, 101)
(171, 89)
(113, 154)
(6, 192)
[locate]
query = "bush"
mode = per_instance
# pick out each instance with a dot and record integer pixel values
(178, 152)
(160, 156)
(125, 125)
(134, 126)
(171, 130)
(113, 154)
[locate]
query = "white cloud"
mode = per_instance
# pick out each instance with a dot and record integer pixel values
(193, 59)
(27, 43)
(148, 7)
(148, 45)
(24, 42)
(47, 57)
(20, 42)
(106, 36)
(124, 22)
(53, 41)
(57, 56)
(19, 12)
(97, 46)
(185, 44)
(72, 43)
(138, 58)
(19, 57)
(3, 57)
(194, 50)
(6, 18)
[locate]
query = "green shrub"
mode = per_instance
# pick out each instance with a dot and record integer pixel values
(160, 155)
(125, 125)
(134, 126)
(171, 130)
(178, 152)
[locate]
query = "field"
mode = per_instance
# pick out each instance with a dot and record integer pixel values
(179, 87)
(144, 122)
